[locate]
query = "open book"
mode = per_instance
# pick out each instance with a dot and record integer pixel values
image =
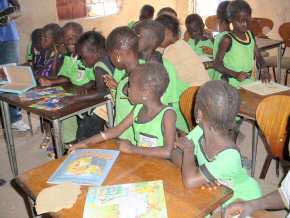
(18, 80)
(265, 88)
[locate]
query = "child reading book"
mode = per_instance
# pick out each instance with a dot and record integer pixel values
(209, 152)
(153, 123)
(237, 50)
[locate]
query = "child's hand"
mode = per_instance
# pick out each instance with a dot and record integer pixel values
(184, 144)
(265, 76)
(242, 76)
(110, 82)
(44, 82)
(207, 50)
(125, 146)
(242, 209)
(211, 185)
(74, 147)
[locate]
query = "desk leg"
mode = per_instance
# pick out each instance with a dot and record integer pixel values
(109, 105)
(254, 148)
(57, 138)
(9, 137)
(279, 60)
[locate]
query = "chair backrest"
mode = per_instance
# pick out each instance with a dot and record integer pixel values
(186, 103)
(272, 117)
(261, 26)
(284, 32)
(211, 23)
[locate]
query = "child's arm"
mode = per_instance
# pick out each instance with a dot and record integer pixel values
(265, 75)
(224, 46)
(109, 134)
(169, 139)
(191, 175)
(52, 82)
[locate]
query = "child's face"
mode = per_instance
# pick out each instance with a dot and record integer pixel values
(241, 22)
(134, 91)
(48, 40)
(117, 57)
(169, 38)
(70, 39)
(88, 57)
(143, 40)
(195, 30)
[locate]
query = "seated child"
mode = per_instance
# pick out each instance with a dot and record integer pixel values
(153, 122)
(209, 153)
(237, 49)
(200, 44)
(146, 12)
(34, 48)
(167, 11)
(151, 35)
(180, 54)
(52, 57)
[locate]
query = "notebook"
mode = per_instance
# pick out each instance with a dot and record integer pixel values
(4, 79)
(19, 79)
(264, 88)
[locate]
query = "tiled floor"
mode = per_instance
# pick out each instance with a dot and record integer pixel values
(29, 155)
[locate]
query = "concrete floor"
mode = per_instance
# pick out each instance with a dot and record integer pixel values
(29, 155)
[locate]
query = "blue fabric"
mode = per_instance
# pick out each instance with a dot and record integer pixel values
(8, 32)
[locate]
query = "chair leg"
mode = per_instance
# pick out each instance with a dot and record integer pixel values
(286, 77)
(274, 74)
(266, 166)
(29, 122)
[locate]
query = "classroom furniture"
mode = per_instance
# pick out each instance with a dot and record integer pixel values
(248, 108)
(186, 103)
(284, 32)
(55, 117)
(261, 26)
(130, 168)
(272, 117)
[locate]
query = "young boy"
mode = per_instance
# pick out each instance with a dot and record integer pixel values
(146, 12)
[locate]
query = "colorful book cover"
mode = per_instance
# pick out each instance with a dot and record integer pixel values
(48, 104)
(85, 167)
(142, 200)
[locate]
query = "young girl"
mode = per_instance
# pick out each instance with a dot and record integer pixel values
(237, 49)
(153, 122)
(151, 35)
(198, 41)
(146, 12)
(209, 153)
(34, 48)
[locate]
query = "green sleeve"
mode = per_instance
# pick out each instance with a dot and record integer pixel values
(66, 67)
(29, 52)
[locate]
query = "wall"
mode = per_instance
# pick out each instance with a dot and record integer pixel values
(37, 13)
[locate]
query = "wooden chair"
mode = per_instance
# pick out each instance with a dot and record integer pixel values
(272, 116)
(261, 26)
(284, 32)
(186, 104)
(212, 24)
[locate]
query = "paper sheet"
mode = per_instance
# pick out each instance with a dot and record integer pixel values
(265, 88)
(101, 111)
(55, 198)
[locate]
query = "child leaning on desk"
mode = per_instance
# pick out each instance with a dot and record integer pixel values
(153, 123)
(208, 154)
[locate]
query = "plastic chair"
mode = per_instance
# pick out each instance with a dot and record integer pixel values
(272, 116)
(261, 26)
(186, 103)
(284, 32)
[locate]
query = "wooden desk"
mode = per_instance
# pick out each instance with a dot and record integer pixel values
(249, 104)
(267, 44)
(56, 118)
(181, 202)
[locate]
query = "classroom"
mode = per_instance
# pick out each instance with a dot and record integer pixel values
(134, 108)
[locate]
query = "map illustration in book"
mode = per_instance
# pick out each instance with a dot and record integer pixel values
(38, 93)
(85, 167)
(142, 200)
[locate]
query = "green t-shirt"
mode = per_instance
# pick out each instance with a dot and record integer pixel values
(76, 72)
(132, 24)
(240, 57)
(29, 55)
(197, 47)
(226, 167)
(149, 134)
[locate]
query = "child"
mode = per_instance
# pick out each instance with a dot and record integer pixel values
(34, 47)
(200, 44)
(180, 54)
(167, 11)
(151, 35)
(209, 150)
(146, 12)
(153, 122)
(237, 49)
(52, 56)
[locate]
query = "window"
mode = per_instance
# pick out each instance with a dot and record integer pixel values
(72, 9)
(206, 7)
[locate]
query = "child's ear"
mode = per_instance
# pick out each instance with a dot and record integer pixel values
(199, 116)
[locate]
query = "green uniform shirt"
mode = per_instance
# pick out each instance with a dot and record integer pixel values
(132, 24)
(76, 72)
(227, 168)
(197, 47)
(29, 55)
(240, 58)
(149, 134)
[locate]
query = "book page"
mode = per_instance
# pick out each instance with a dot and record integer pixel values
(265, 88)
